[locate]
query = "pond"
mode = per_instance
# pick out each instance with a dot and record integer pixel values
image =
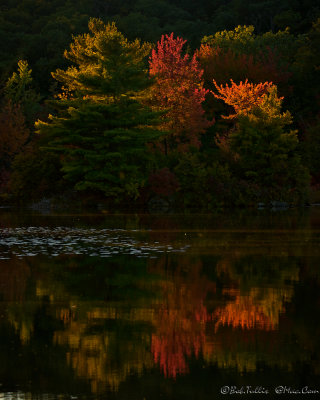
(159, 306)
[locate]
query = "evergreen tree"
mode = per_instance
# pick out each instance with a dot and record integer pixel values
(265, 152)
(102, 129)
(18, 90)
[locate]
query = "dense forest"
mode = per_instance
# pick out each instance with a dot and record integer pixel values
(160, 103)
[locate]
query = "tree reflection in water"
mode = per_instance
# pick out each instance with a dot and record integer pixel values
(180, 320)
(120, 318)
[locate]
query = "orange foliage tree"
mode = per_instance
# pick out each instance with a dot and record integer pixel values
(223, 64)
(243, 97)
(179, 90)
(264, 153)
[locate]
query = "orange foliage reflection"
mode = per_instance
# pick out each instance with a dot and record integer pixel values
(243, 313)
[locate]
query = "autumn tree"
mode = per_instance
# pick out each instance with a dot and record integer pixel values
(179, 90)
(101, 128)
(264, 151)
(243, 97)
(240, 54)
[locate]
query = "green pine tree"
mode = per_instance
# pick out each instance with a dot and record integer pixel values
(19, 91)
(101, 129)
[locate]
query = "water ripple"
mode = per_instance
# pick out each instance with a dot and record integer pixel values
(33, 241)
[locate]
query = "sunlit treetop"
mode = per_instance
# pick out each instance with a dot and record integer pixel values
(19, 91)
(242, 34)
(106, 63)
(17, 83)
(168, 61)
(258, 102)
(243, 40)
(243, 97)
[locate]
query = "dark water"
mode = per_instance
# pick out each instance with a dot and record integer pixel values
(160, 307)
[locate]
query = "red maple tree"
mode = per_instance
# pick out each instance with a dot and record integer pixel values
(179, 90)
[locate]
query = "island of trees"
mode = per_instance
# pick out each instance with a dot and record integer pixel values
(146, 103)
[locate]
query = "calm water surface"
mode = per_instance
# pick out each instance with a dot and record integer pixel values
(159, 307)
